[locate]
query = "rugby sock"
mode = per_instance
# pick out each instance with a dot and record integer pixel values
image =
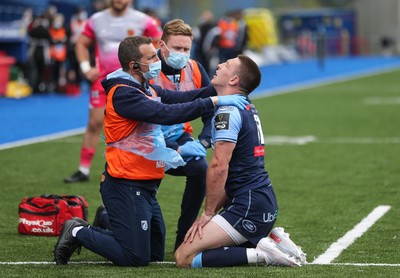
(254, 256)
(84, 170)
(226, 256)
(197, 263)
(87, 155)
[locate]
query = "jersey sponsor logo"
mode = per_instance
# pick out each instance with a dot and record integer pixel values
(144, 225)
(249, 226)
(258, 151)
(95, 94)
(226, 108)
(222, 121)
(160, 164)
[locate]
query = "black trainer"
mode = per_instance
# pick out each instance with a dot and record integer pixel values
(78, 176)
(84, 224)
(97, 217)
(99, 221)
(81, 221)
(66, 244)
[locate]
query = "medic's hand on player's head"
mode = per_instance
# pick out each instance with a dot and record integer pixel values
(192, 149)
(239, 101)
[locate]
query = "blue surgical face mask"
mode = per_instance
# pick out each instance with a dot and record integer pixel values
(176, 60)
(154, 70)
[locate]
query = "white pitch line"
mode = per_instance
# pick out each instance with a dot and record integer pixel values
(365, 264)
(46, 263)
(270, 139)
(292, 140)
(43, 138)
(382, 101)
(107, 262)
(361, 140)
(71, 262)
(307, 139)
(342, 243)
(265, 93)
(338, 78)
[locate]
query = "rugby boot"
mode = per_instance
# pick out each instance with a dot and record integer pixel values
(274, 256)
(286, 245)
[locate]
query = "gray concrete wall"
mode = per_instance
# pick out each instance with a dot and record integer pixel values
(376, 19)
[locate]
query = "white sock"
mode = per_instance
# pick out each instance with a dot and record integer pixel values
(84, 170)
(75, 230)
(254, 256)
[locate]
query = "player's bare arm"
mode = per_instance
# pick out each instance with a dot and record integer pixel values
(217, 174)
(83, 56)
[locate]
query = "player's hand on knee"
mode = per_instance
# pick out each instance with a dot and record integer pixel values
(197, 227)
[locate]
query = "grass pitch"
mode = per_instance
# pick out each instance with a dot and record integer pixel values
(333, 154)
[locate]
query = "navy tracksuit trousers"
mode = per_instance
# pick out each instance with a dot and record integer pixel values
(137, 236)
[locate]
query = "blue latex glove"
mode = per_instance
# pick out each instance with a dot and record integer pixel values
(239, 101)
(192, 149)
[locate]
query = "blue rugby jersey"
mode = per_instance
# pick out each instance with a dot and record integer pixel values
(243, 127)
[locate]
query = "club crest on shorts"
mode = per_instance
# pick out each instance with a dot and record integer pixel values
(249, 226)
(144, 225)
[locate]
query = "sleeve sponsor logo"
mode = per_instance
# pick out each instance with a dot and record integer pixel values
(222, 121)
(258, 151)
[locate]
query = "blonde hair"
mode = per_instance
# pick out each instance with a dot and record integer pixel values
(176, 27)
